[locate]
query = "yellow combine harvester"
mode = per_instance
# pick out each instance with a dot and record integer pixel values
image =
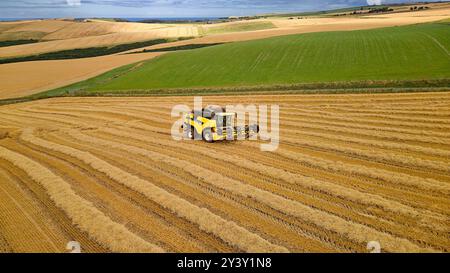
(215, 124)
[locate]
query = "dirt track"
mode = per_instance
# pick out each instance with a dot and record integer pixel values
(350, 169)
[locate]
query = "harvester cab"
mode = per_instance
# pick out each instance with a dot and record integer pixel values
(213, 123)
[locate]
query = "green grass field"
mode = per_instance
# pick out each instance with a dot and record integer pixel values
(399, 53)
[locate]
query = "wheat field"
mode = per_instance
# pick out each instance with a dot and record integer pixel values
(106, 172)
(56, 35)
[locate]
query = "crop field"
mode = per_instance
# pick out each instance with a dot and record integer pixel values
(237, 27)
(45, 75)
(106, 172)
(380, 54)
(57, 35)
(18, 36)
(83, 52)
(92, 41)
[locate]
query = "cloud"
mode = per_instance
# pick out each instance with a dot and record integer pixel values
(74, 2)
(373, 2)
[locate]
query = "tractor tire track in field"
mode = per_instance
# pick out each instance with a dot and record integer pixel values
(350, 169)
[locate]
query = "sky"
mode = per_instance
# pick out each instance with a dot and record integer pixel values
(166, 8)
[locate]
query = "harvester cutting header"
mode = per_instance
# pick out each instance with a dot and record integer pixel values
(214, 123)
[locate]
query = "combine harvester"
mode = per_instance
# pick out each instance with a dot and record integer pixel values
(214, 123)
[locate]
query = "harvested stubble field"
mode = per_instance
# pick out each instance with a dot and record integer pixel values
(45, 75)
(105, 172)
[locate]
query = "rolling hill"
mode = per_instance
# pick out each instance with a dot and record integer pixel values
(399, 53)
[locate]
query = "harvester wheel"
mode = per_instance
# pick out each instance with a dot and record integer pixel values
(208, 136)
(255, 128)
(190, 133)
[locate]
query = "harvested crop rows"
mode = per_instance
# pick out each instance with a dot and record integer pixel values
(106, 172)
